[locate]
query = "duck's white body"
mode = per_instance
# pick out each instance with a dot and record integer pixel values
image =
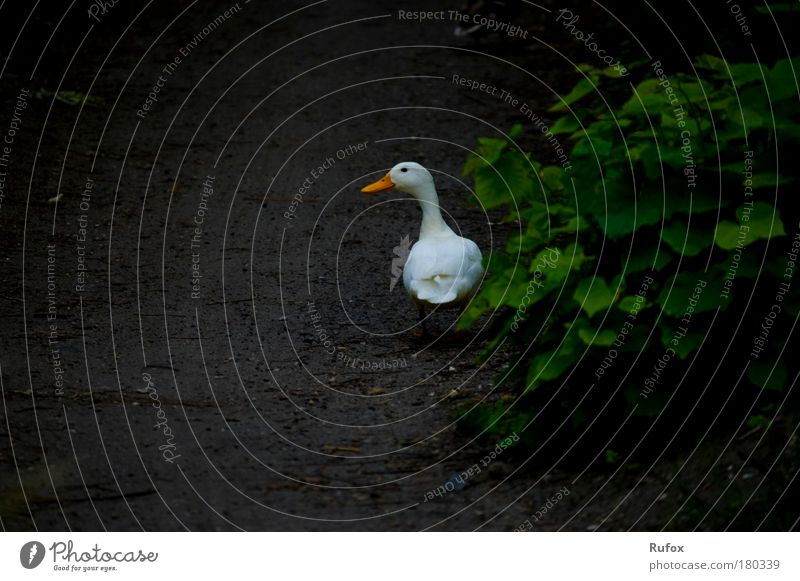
(443, 269)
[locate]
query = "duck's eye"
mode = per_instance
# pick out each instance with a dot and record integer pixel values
(404, 169)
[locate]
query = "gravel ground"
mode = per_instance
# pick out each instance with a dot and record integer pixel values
(190, 341)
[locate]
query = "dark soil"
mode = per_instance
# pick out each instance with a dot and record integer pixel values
(285, 388)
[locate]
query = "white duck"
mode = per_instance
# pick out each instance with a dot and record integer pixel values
(443, 269)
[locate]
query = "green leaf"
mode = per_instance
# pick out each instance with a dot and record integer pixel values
(757, 421)
(684, 340)
(759, 222)
(750, 118)
(711, 62)
(550, 365)
(615, 72)
(744, 73)
(782, 81)
(766, 376)
(508, 179)
(537, 225)
(645, 104)
(581, 89)
(648, 87)
(565, 124)
(551, 176)
(696, 91)
(753, 108)
(487, 153)
(593, 295)
(493, 291)
(685, 243)
(626, 215)
(647, 154)
(698, 200)
(603, 338)
(769, 8)
(627, 303)
(763, 220)
(643, 257)
(769, 180)
(687, 290)
(727, 235)
(473, 164)
(594, 147)
(573, 257)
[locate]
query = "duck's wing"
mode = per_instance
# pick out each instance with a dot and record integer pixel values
(473, 255)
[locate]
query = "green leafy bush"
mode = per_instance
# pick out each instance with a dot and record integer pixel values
(667, 222)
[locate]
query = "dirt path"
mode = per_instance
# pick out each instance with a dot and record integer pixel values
(214, 290)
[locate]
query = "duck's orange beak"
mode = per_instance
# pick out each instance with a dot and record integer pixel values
(385, 183)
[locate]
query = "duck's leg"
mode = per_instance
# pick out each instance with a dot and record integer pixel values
(422, 316)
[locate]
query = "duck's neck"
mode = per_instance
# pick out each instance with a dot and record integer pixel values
(432, 222)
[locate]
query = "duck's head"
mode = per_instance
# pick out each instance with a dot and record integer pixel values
(408, 176)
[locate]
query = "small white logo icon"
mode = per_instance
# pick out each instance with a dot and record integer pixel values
(31, 554)
(401, 252)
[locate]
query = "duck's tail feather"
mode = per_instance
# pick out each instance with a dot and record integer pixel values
(438, 289)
